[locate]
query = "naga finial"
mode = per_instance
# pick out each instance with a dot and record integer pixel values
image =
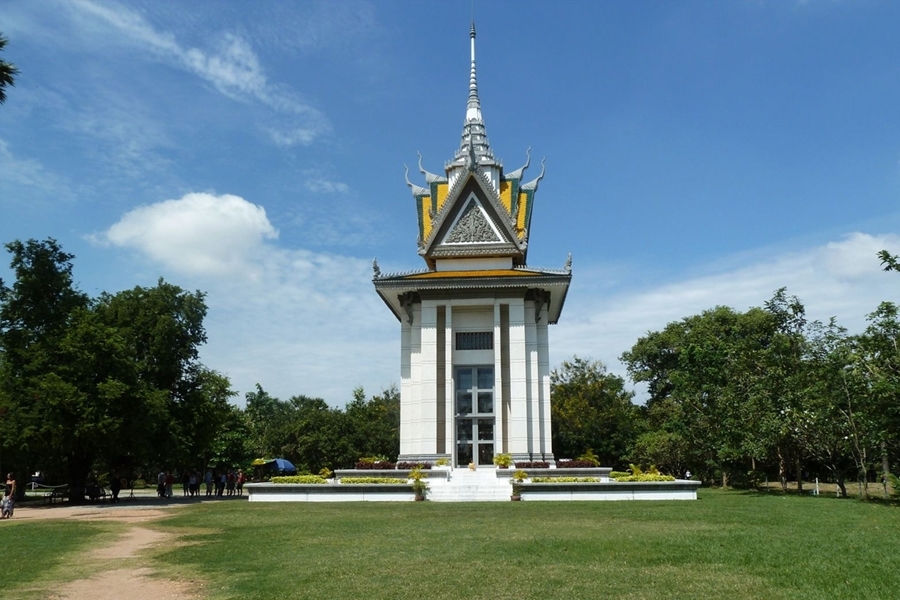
(533, 184)
(568, 266)
(429, 177)
(517, 174)
(375, 268)
(472, 162)
(417, 190)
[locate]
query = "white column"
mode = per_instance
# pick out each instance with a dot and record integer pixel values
(498, 380)
(406, 386)
(427, 425)
(543, 350)
(450, 385)
(518, 380)
(415, 375)
(534, 411)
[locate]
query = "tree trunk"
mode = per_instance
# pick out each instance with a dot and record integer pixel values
(724, 478)
(841, 486)
(885, 468)
(782, 472)
(798, 468)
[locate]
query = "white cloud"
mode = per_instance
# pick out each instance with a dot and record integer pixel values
(200, 234)
(841, 278)
(303, 323)
(310, 323)
(231, 66)
(324, 186)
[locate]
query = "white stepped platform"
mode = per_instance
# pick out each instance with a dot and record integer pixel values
(465, 485)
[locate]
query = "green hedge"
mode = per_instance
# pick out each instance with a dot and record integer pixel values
(617, 474)
(565, 480)
(644, 477)
(353, 480)
(299, 479)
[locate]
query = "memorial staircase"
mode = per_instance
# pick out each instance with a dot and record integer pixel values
(466, 485)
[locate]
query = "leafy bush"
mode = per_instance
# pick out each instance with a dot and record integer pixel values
(537, 464)
(503, 460)
(442, 462)
(412, 465)
(353, 480)
(895, 485)
(644, 477)
(325, 473)
(590, 457)
(618, 474)
(575, 464)
(299, 479)
(565, 480)
(520, 475)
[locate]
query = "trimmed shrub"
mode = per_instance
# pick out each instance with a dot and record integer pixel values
(617, 474)
(298, 479)
(565, 480)
(537, 464)
(575, 464)
(354, 480)
(644, 477)
(381, 465)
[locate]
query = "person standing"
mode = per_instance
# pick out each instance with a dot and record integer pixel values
(241, 478)
(161, 484)
(9, 496)
(170, 481)
(208, 479)
(115, 486)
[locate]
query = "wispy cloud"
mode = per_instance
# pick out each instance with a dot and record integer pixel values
(230, 65)
(842, 278)
(295, 321)
(29, 176)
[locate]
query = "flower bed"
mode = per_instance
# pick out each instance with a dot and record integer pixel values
(575, 464)
(644, 477)
(413, 465)
(537, 464)
(565, 480)
(299, 479)
(382, 465)
(379, 480)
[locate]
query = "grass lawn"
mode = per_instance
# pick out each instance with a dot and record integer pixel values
(726, 544)
(32, 552)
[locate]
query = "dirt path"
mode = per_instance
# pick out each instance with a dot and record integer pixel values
(119, 570)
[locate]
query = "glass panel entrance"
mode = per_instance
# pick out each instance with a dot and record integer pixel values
(474, 416)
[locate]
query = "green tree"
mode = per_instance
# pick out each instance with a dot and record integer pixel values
(592, 410)
(8, 72)
(36, 314)
(93, 384)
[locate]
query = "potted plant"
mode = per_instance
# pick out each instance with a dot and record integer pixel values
(504, 461)
(419, 486)
(518, 477)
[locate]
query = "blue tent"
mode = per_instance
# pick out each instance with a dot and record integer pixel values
(283, 467)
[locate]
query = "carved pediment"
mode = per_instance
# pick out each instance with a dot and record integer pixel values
(472, 227)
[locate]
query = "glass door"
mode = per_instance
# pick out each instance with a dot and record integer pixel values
(474, 416)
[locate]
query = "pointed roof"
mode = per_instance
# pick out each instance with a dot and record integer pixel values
(474, 140)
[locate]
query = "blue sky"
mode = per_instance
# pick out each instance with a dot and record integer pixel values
(698, 154)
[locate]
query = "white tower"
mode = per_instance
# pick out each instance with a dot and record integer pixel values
(475, 366)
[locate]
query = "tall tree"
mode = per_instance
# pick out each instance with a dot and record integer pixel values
(592, 410)
(8, 72)
(35, 316)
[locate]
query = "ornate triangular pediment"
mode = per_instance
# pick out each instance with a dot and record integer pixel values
(472, 226)
(472, 222)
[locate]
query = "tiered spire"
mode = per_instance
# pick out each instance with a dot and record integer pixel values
(474, 140)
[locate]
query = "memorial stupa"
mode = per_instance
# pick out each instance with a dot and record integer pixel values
(474, 345)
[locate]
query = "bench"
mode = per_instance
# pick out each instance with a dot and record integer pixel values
(60, 493)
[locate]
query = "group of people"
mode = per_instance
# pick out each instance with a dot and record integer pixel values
(217, 483)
